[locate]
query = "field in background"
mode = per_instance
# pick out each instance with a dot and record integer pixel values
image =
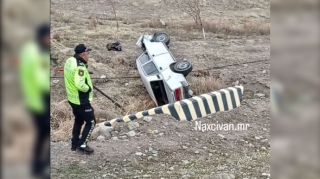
(236, 32)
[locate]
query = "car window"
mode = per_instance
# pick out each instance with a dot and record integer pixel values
(150, 68)
(144, 58)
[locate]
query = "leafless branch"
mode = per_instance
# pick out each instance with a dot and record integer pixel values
(112, 3)
(192, 8)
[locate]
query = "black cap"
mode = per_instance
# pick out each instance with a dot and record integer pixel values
(43, 30)
(81, 48)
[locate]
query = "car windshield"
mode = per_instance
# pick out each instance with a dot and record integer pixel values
(144, 58)
(150, 68)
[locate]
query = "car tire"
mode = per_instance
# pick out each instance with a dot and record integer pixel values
(183, 67)
(161, 37)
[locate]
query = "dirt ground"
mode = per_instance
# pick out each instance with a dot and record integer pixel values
(236, 32)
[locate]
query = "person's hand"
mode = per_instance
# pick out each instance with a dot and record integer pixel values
(89, 89)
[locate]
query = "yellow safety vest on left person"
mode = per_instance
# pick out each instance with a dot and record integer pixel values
(34, 76)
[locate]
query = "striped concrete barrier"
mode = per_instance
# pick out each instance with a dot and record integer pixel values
(193, 108)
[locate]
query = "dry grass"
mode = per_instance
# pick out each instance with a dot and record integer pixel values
(101, 19)
(62, 118)
(61, 121)
(230, 28)
(226, 27)
(204, 84)
(152, 23)
(109, 33)
(136, 105)
(60, 17)
(56, 36)
(73, 27)
(93, 22)
(128, 21)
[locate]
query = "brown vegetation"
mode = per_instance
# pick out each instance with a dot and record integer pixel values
(226, 27)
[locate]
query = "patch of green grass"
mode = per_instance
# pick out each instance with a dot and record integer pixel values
(73, 168)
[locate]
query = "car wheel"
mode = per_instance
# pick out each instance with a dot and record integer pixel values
(184, 67)
(161, 37)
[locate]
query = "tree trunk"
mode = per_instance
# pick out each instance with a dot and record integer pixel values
(204, 34)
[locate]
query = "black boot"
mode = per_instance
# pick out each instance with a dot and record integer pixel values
(74, 147)
(86, 149)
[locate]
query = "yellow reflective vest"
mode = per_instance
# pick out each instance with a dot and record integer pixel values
(34, 76)
(77, 81)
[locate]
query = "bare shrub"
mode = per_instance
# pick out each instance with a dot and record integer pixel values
(112, 4)
(192, 8)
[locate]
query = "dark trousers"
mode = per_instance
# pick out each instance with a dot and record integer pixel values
(82, 113)
(41, 152)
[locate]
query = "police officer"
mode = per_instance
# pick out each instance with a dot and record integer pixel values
(79, 91)
(35, 82)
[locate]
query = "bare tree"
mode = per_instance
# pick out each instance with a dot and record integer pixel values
(192, 8)
(112, 3)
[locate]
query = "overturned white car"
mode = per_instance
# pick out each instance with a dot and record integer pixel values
(162, 75)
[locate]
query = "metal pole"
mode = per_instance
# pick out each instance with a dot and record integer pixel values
(117, 104)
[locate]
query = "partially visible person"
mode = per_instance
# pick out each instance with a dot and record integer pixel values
(35, 82)
(79, 91)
